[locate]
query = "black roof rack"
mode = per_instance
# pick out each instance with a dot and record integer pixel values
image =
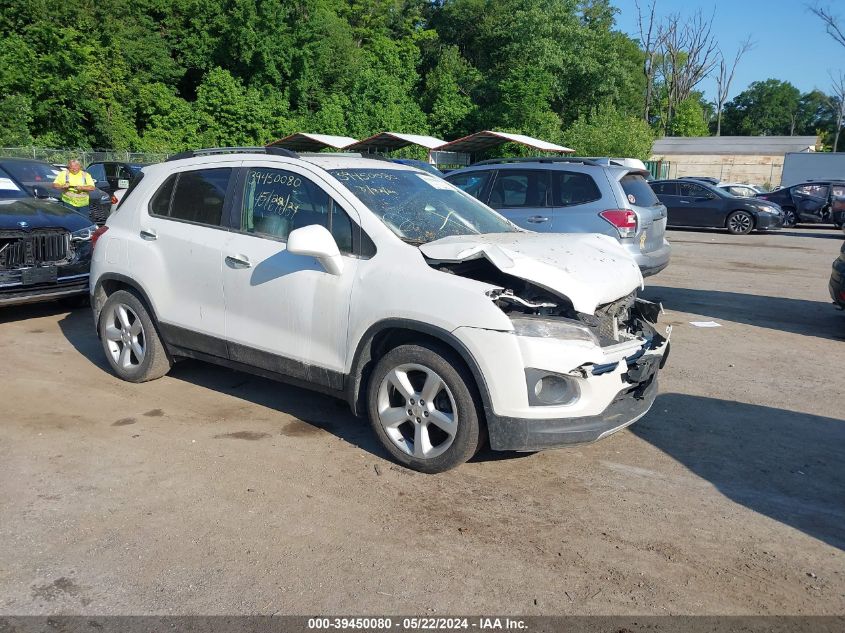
(213, 151)
(540, 159)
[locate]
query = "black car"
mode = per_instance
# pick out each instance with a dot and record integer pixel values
(45, 247)
(112, 175)
(837, 280)
(837, 211)
(695, 203)
(808, 202)
(36, 177)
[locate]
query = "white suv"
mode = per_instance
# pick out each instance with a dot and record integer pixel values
(383, 285)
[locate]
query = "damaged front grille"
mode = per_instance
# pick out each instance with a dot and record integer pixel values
(611, 322)
(19, 249)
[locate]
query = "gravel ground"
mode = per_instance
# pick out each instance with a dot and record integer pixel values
(214, 492)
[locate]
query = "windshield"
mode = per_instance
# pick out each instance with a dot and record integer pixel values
(419, 207)
(9, 188)
(32, 173)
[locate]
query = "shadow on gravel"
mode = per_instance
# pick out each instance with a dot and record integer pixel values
(811, 318)
(78, 328)
(316, 411)
(782, 464)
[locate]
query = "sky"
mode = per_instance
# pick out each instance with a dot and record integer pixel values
(790, 42)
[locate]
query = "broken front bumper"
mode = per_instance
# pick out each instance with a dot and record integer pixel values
(617, 386)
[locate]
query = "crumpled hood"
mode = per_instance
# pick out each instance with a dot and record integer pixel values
(587, 268)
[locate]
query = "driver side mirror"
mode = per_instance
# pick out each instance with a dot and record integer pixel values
(316, 241)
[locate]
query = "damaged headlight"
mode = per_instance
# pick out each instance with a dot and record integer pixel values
(83, 235)
(564, 329)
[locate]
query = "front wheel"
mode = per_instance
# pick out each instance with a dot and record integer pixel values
(422, 407)
(789, 218)
(740, 223)
(130, 340)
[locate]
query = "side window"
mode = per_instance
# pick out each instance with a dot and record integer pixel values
(160, 202)
(520, 188)
(199, 196)
(472, 182)
(818, 191)
(97, 171)
(569, 188)
(691, 190)
(111, 170)
(277, 202)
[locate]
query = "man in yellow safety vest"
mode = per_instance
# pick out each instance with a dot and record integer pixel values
(74, 183)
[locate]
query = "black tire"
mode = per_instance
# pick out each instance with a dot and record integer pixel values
(470, 433)
(154, 362)
(789, 218)
(740, 223)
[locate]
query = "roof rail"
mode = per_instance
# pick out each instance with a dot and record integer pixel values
(214, 151)
(344, 155)
(540, 159)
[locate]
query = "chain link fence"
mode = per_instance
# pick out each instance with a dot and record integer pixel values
(86, 156)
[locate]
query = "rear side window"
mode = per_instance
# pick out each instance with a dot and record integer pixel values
(514, 189)
(199, 196)
(472, 182)
(664, 188)
(160, 203)
(569, 188)
(638, 191)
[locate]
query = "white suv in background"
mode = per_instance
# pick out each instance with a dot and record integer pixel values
(383, 285)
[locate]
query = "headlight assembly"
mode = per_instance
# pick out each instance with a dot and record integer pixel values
(83, 235)
(564, 329)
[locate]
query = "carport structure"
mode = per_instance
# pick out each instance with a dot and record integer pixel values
(460, 151)
(384, 142)
(307, 142)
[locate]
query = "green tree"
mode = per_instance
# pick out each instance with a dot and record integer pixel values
(607, 132)
(767, 107)
(689, 119)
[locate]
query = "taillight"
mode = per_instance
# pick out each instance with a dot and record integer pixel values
(624, 220)
(113, 199)
(96, 235)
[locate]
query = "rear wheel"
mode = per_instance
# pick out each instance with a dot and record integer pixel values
(740, 223)
(422, 407)
(130, 339)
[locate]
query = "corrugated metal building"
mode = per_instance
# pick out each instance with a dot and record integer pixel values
(753, 159)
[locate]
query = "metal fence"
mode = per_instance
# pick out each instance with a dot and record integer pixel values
(86, 156)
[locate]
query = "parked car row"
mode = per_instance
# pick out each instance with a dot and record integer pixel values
(810, 202)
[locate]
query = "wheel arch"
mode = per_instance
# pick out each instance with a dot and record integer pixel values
(748, 211)
(388, 334)
(108, 284)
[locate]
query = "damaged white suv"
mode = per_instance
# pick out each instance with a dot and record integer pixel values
(383, 285)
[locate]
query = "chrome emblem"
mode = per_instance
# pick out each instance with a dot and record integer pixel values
(23, 225)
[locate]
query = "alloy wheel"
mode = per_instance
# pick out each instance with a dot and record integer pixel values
(417, 411)
(124, 334)
(740, 223)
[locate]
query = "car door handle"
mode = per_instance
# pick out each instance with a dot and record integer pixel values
(537, 219)
(684, 201)
(149, 234)
(238, 261)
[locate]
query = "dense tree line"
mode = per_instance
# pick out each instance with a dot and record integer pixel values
(165, 75)
(171, 74)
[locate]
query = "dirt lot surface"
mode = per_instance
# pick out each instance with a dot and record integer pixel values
(215, 492)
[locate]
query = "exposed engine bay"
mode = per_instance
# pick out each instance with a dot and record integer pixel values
(622, 320)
